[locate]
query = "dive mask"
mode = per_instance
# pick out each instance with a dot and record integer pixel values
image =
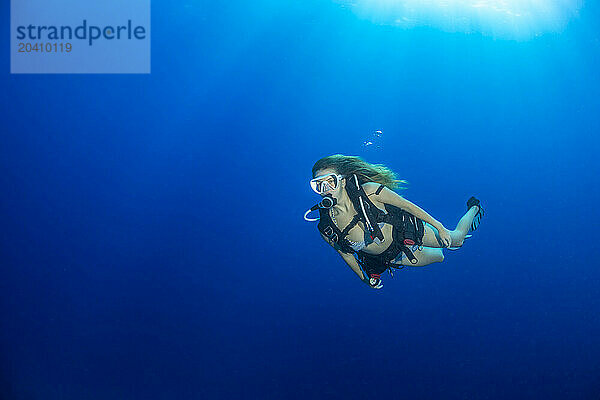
(324, 183)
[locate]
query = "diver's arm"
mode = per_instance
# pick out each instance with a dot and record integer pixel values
(390, 197)
(350, 260)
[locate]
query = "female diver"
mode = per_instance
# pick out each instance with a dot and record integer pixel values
(372, 227)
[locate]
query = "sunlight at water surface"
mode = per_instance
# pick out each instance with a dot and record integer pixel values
(511, 19)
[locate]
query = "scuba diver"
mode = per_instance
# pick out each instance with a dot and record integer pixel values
(373, 228)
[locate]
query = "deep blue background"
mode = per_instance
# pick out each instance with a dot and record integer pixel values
(153, 245)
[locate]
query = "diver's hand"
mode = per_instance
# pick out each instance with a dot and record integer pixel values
(445, 238)
(378, 286)
(375, 283)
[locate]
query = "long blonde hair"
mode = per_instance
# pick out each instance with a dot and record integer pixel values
(366, 172)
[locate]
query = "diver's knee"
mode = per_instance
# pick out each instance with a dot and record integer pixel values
(433, 255)
(440, 256)
(437, 255)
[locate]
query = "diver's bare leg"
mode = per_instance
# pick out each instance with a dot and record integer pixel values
(463, 226)
(425, 256)
(431, 237)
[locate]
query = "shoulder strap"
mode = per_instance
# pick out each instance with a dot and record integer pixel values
(367, 212)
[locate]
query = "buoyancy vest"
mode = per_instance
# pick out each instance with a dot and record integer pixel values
(407, 229)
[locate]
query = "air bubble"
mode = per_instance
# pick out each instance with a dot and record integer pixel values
(374, 140)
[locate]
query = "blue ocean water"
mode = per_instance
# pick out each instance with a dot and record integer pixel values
(153, 245)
